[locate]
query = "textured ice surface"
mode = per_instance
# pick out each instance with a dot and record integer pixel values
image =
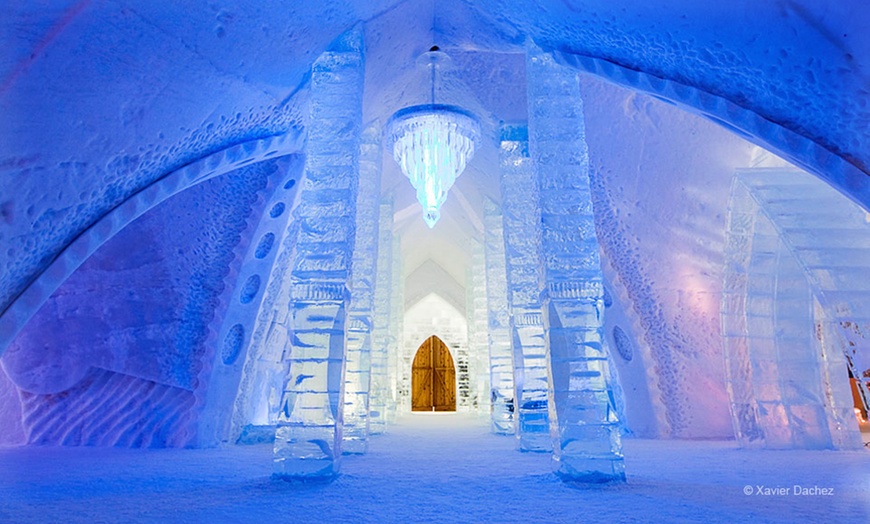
(133, 323)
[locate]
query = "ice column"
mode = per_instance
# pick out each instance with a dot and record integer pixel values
(308, 435)
(583, 421)
(359, 331)
(380, 384)
(397, 311)
(478, 340)
(501, 367)
(521, 230)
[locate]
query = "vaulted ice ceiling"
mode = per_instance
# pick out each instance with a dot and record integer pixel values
(106, 97)
(101, 100)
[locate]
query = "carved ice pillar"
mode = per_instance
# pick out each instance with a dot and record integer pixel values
(583, 421)
(380, 384)
(397, 313)
(308, 436)
(521, 230)
(501, 367)
(478, 343)
(359, 332)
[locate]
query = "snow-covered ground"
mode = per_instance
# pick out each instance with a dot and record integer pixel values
(431, 468)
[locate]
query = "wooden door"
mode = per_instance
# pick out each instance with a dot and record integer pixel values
(433, 378)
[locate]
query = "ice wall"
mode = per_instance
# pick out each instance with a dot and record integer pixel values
(478, 325)
(661, 179)
(11, 432)
(135, 322)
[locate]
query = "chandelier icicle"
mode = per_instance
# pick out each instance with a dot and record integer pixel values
(432, 143)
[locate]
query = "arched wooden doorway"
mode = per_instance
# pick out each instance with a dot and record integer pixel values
(433, 378)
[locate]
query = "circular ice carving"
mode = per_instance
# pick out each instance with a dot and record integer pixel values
(277, 210)
(249, 290)
(623, 344)
(233, 344)
(265, 245)
(608, 300)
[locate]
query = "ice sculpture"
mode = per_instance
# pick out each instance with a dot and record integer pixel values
(521, 231)
(797, 251)
(359, 332)
(308, 436)
(432, 143)
(380, 382)
(501, 365)
(478, 340)
(583, 421)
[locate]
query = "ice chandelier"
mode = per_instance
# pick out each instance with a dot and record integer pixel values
(432, 143)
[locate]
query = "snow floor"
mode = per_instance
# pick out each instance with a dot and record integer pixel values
(430, 468)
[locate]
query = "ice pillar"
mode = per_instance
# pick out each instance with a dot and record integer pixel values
(478, 345)
(521, 231)
(359, 333)
(583, 421)
(380, 381)
(397, 314)
(308, 434)
(501, 372)
(397, 310)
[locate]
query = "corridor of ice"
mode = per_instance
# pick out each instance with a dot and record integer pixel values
(646, 296)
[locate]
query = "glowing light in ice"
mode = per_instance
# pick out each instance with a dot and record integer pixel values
(432, 143)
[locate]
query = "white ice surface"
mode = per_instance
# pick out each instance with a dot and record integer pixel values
(429, 468)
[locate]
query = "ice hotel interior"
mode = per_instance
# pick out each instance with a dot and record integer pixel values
(435, 261)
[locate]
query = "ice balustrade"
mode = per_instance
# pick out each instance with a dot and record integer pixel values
(308, 436)
(501, 367)
(797, 257)
(521, 232)
(363, 276)
(379, 396)
(584, 424)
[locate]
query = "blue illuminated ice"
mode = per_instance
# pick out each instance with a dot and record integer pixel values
(582, 412)
(309, 427)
